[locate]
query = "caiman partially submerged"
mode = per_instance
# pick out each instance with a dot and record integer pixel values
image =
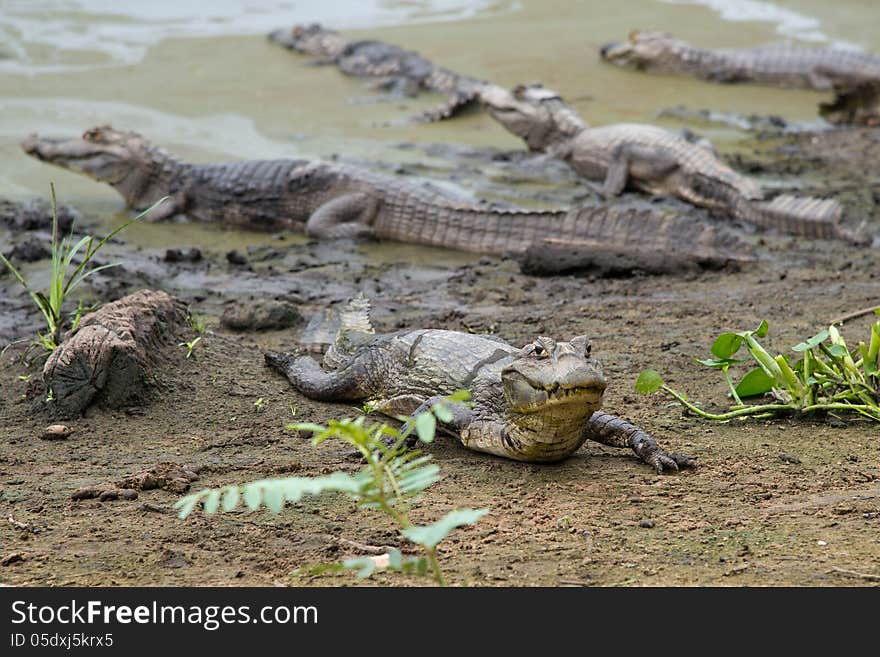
(853, 76)
(327, 200)
(641, 157)
(656, 161)
(539, 403)
(404, 71)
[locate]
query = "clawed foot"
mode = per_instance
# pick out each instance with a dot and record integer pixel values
(664, 462)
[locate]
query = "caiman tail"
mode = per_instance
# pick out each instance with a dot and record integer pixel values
(798, 215)
(619, 236)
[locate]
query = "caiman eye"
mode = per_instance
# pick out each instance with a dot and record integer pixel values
(583, 344)
(540, 352)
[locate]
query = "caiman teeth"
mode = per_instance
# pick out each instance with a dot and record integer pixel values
(556, 392)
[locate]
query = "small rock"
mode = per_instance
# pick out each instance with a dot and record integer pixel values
(647, 524)
(128, 494)
(109, 495)
(236, 258)
(181, 255)
(788, 458)
(56, 432)
(172, 559)
(11, 559)
(146, 507)
(262, 315)
(85, 493)
(821, 543)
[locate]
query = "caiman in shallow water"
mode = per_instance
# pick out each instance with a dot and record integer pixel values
(539, 403)
(327, 200)
(638, 156)
(853, 76)
(393, 67)
(656, 161)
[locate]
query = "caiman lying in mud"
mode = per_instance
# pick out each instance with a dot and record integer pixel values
(853, 76)
(328, 200)
(539, 403)
(656, 161)
(405, 71)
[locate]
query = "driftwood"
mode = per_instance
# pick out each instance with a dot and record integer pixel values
(110, 357)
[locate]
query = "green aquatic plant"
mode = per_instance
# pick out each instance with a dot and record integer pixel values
(66, 276)
(829, 376)
(392, 480)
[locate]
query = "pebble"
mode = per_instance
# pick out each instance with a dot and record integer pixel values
(56, 432)
(236, 258)
(11, 559)
(84, 493)
(647, 524)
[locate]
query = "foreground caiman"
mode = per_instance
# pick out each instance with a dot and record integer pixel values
(656, 161)
(327, 200)
(405, 71)
(853, 76)
(539, 403)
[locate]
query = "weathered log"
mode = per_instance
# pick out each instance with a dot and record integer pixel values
(109, 359)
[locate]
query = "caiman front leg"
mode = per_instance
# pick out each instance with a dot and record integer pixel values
(462, 416)
(614, 432)
(307, 377)
(638, 162)
(172, 205)
(350, 215)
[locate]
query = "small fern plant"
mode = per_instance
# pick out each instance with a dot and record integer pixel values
(392, 480)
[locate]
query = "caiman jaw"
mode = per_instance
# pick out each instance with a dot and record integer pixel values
(99, 161)
(587, 393)
(613, 49)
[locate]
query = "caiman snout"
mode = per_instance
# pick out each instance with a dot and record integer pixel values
(606, 50)
(31, 145)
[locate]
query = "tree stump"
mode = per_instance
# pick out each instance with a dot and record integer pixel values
(111, 355)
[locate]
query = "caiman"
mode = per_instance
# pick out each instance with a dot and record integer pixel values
(539, 403)
(642, 157)
(401, 70)
(853, 76)
(328, 200)
(653, 160)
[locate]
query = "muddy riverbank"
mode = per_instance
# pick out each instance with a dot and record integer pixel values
(772, 503)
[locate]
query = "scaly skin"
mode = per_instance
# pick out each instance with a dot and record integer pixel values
(404, 70)
(781, 65)
(654, 160)
(329, 201)
(853, 76)
(537, 404)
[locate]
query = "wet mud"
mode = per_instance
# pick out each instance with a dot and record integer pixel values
(787, 502)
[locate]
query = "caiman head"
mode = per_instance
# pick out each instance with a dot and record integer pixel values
(311, 39)
(533, 113)
(549, 393)
(643, 50)
(556, 378)
(138, 171)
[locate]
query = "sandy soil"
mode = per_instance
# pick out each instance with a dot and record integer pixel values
(788, 502)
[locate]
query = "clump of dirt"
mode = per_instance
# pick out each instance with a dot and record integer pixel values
(782, 502)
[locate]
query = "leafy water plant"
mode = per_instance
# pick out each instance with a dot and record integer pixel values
(62, 283)
(392, 481)
(828, 375)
